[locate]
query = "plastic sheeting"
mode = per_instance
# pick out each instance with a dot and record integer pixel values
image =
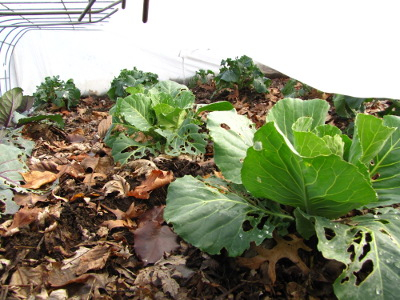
(346, 47)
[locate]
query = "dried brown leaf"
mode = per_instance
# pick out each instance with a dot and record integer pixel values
(119, 185)
(152, 240)
(36, 179)
(94, 259)
(23, 217)
(156, 179)
(29, 199)
(283, 249)
(93, 178)
(103, 126)
(142, 167)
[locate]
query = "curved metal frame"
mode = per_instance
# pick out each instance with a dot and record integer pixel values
(18, 18)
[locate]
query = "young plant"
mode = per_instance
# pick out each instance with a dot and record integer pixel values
(130, 78)
(243, 73)
(296, 160)
(201, 77)
(156, 120)
(59, 93)
(295, 89)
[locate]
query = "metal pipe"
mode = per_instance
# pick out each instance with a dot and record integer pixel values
(88, 7)
(59, 12)
(145, 10)
(65, 23)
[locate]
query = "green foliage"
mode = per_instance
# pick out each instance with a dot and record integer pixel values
(294, 159)
(201, 77)
(130, 78)
(369, 246)
(243, 73)
(55, 118)
(160, 119)
(9, 103)
(347, 106)
(295, 89)
(55, 91)
(211, 220)
(12, 162)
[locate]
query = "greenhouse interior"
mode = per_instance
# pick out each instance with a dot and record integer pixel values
(177, 149)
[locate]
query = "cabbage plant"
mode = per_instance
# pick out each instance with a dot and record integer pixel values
(159, 119)
(297, 160)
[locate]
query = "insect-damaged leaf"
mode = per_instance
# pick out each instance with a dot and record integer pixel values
(211, 220)
(370, 247)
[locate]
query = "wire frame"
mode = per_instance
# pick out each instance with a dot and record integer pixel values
(19, 17)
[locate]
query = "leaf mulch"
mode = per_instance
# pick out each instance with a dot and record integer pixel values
(97, 232)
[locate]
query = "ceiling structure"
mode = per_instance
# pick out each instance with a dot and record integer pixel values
(19, 17)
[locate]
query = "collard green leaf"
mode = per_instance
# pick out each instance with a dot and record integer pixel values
(215, 106)
(125, 148)
(10, 206)
(169, 87)
(232, 135)
(12, 162)
(13, 137)
(322, 185)
(347, 106)
(287, 111)
(9, 103)
(186, 140)
(210, 220)
(56, 118)
(370, 247)
(136, 110)
(386, 167)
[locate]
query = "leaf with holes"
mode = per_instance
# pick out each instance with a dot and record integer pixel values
(369, 245)
(212, 220)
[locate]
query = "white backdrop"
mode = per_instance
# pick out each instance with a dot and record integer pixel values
(346, 47)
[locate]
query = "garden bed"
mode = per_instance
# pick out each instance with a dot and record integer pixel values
(93, 235)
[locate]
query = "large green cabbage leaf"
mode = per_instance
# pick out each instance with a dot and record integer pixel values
(211, 220)
(232, 135)
(323, 185)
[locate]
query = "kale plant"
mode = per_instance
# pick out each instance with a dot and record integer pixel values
(243, 73)
(130, 78)
(201, 77)
(56, 91)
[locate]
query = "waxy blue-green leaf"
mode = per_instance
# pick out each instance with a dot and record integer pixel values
(187, 139)
(9, 103)
(287, 111)
(215, 106)
(347, 106)
(121, 144)
(322, 185)
(168, 87)
(210, 220)
(386, 167)
(232, 135)
(136, 111)
(370, 135)
(369, 245)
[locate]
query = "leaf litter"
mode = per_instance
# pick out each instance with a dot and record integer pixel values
(95, 230)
